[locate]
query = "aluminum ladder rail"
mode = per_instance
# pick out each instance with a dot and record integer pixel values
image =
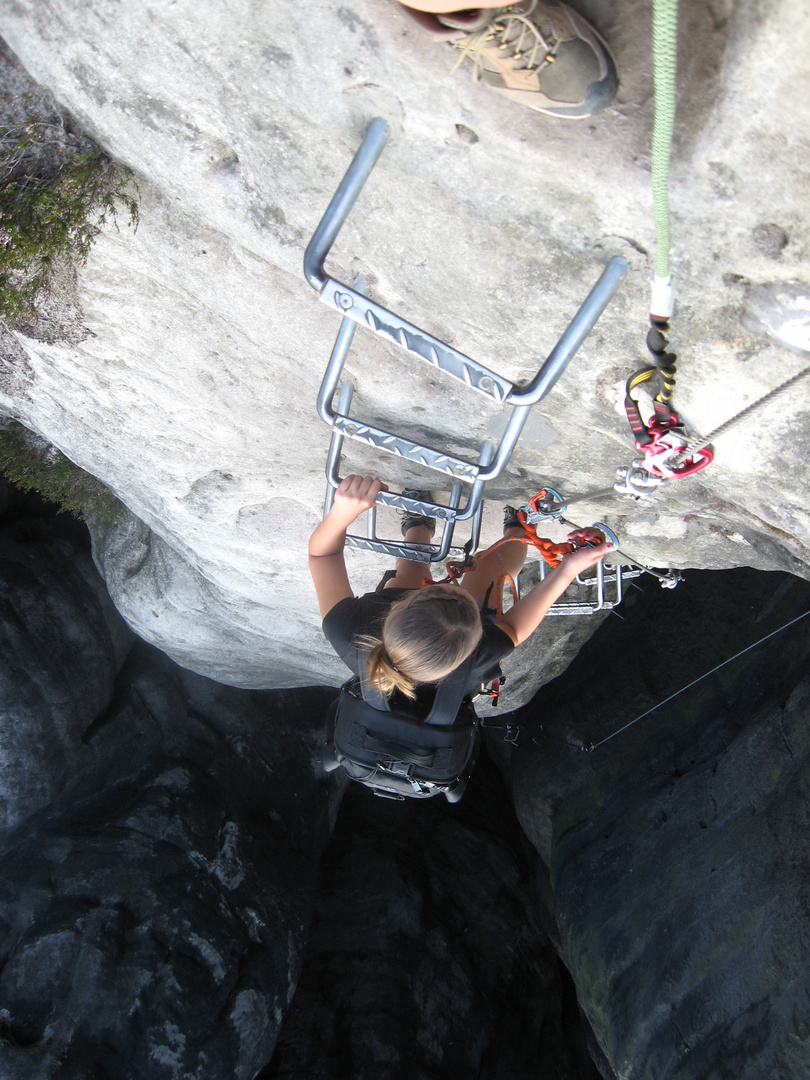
(357, 309)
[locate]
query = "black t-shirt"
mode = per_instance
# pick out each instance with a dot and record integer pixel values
(358, 615)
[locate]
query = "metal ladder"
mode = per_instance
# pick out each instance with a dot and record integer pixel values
(617, 576)
(357, 309)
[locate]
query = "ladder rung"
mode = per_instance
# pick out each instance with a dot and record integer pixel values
(418, 342)
(415, 506)
(404, 448)
(564, 608)
(399, 550)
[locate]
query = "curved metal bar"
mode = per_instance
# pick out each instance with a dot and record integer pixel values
(507, 444)
(334, 370)
(575, 333)
(336, 448)
(342, 202)
(476, 495)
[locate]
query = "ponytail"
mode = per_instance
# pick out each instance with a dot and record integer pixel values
(384, 675)
(425, 636)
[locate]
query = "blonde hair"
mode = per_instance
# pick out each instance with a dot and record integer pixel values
(425, 636)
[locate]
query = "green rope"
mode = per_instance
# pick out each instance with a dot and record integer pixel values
(665, 42)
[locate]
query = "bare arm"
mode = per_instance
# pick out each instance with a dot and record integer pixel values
(525, 616)
(355, 495)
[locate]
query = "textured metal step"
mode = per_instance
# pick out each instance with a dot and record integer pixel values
(404, 448)
(353, 305)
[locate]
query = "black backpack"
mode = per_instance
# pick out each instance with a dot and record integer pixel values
(397, 754)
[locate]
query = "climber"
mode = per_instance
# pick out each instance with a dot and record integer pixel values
(410, 637)
(543, 55)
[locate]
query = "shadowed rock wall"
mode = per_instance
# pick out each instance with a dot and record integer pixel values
(425, 958)
(158, 865)
(159, 841)
(673, 861)
(171, 904)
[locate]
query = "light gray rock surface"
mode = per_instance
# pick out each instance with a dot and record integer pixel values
(186, 377)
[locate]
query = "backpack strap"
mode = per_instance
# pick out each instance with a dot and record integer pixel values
(450, 694)
(446, 704)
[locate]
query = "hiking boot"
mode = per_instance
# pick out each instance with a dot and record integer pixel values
(540, 54)
(510, 518)
(409, 519)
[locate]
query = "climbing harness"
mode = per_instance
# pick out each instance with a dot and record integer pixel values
(357, 309)
(397, 753)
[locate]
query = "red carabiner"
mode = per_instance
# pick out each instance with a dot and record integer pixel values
(700, 459)
(667, 442)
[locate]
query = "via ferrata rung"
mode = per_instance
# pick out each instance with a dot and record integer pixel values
(605, 599)
(357, 309)
(604, 576)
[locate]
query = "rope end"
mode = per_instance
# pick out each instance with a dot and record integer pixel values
(662, 299)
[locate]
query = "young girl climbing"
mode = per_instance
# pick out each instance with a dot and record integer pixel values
(410, 637)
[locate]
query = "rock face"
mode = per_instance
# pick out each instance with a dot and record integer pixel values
(63, 645)
(673, 860)
(156, 882)
(186, 368)
(157, 874)
(425, 958)
(172, 905)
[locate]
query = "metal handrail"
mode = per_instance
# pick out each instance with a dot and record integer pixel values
(342, 202)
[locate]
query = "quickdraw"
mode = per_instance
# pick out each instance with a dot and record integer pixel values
(552, 553)
(662, 440)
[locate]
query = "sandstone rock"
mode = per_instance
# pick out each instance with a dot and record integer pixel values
(160, 836)
(425, 958)
(673, 860)
(63, 644)
(156, 929)
(156, 904)
(187, 384)
(781, 311)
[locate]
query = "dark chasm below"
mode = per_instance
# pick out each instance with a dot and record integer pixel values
(185, 894)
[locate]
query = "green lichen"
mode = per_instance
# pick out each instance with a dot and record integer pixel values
(57, 189)
(34, 465)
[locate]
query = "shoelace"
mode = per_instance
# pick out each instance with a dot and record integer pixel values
(513, 29)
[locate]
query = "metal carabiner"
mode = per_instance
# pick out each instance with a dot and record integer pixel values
(636, 481)
(547, 505)
(668, 443)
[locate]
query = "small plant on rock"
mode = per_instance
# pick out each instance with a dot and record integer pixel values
(32, 463)
(57, 189)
